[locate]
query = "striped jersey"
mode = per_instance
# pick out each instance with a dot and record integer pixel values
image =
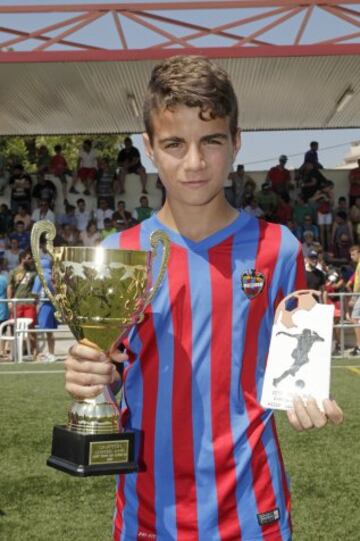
(210, 464)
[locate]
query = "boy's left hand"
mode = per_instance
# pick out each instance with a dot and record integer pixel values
(304, 417)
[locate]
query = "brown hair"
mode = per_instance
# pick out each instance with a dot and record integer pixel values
(193, 81)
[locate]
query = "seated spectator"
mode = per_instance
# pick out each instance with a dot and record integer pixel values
(109, 228)
(68, 235)
(82, 215)
(129, 161)
(290, 224)
(253, 208)
(305, 227)
(284, 211)
(312, 181)
(355, 218)
(123, 215)
(354, 182)
(23, 216)
(341, 236)
(87, 167)
(91, 236)
(44, 189)
(6, 219)
(59, 168)
(43, 212)
(12, 255)
(268, 201)
(248, 192)
(103, 211)
(324, 202)
(315, 278)
(308, 244)
(279, 177)
(69, 218)
(301, 209)
(21, 184)
(105, 183)
(21, 235)
(144, 211)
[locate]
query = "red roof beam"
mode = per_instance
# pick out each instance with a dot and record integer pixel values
(47, 38)
(339, 39)
(166, 6)
(217, 30)
(89, 18)
(304, 24)
(119, 29)
(338, 13)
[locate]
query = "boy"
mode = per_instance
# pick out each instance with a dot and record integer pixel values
(210, 464)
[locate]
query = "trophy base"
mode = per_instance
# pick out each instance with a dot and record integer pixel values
(92, 454)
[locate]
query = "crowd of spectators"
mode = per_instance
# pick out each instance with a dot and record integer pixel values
(302, 200)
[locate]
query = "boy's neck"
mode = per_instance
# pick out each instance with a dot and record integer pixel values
(197, 222)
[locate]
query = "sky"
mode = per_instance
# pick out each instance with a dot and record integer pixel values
(259, 150)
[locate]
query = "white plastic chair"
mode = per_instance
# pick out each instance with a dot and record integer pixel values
(22, 325)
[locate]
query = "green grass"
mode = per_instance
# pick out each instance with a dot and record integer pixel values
(41, 504)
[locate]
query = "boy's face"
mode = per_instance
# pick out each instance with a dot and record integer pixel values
(193, 156)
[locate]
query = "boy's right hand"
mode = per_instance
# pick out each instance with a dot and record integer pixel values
(88, 371)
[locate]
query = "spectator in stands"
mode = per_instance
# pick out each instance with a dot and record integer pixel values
(91, 236)
(144, 211)
(21, 281)
(59, 168)
(6, 219)
(239, 179)
(23, 216)
(21, 235)
(82, 215)
(302, 209)
(334, 283)
(312, 181)
(268, 201)
(280, 177)
(324, 204)
(4, 309)
(21, 184)
(43, 212)
(342, 204)
(290, 224)
(44, 189)
(248, 192)
(123, 215)
(12, 254)
(308, 244)
(311, 156)
(307, 226)
(284, 211)
(109, 228)
(103, 211)
(355, 218)
(46, 312)
(43, 160)
(315, 278)
(4, 242)
(354, 182)
(3, 175)
(105, 183)
(129, 161)
(69, 218)
(228, 191)
(354, 303)
(253, 208)
(87, 167)
(341, 235)
(68, 235)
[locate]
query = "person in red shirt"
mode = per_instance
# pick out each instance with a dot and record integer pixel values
(279, 176)
(354, 180)
(59, 168)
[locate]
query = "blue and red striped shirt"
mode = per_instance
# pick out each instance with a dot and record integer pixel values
(210, 464)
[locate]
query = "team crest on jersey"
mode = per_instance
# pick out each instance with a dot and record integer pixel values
(252, 283)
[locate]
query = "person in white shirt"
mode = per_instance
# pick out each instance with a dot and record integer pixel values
(82, 215)
(43, 212)
(102, 212)
(87, 167)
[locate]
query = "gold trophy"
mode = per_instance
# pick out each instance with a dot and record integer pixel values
(100, 293)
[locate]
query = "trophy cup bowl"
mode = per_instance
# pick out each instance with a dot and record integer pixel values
(100, 294)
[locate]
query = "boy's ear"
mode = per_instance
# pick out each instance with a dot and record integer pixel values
(148, 148)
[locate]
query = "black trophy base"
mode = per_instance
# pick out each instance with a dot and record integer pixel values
(92, 454)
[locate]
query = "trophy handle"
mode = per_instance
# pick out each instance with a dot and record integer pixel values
(39, 228)
(157, 237)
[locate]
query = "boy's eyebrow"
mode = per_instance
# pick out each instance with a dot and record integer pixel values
(173, 138)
